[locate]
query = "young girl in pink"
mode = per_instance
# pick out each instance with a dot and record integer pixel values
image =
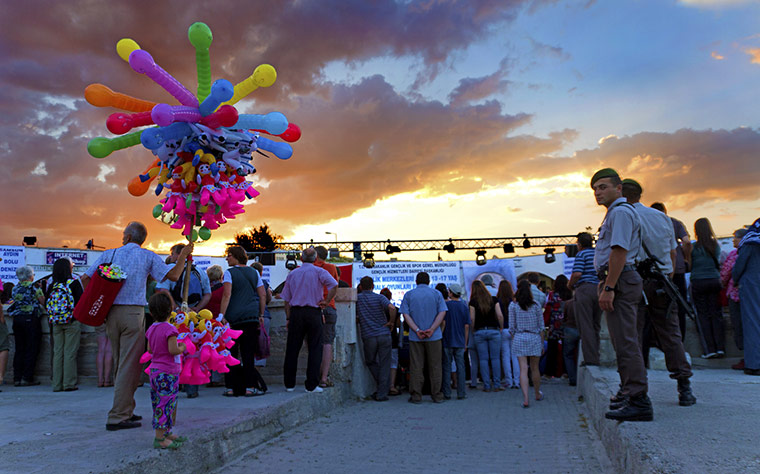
(165, 368)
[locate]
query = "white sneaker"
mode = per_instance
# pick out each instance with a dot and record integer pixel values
(710, 355)
(317, 389)
(290, 389)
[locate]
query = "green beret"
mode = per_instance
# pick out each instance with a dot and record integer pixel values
(604, 173)
(633, 183)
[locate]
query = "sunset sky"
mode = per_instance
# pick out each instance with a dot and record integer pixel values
(421, 119)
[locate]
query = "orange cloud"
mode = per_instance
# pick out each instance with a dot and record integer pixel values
(754, 53)
(716, 56)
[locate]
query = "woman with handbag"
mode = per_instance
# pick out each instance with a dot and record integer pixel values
(705, 288)
(27, 307)
(243, 303)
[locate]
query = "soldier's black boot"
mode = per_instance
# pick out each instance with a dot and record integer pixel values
(638, 408)
(685, 397)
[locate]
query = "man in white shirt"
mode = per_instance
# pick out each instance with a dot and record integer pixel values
(658, 311)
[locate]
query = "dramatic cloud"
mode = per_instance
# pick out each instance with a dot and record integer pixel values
(474, 89)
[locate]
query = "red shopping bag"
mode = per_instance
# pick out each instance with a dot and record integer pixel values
(97, 299)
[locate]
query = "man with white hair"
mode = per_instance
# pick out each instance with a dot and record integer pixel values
(125, 324)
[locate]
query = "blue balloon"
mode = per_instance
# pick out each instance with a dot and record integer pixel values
(281, 150)
(153, 138)
(222, 90)
(274, 123)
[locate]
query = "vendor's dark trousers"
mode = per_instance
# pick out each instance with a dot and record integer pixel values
(679, 279)
(706, 296)
(421, 353)
(622, 324)
(589, 319)
(570, 339)
(305, 323)
(664, 327)
(244, 375)
(735, 310)
(28, 333)
(377, 357)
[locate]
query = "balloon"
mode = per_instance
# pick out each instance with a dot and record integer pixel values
(101, 96)
(204, 233)
(142, 62)
(138, 187)
(165, 115)
(125, 46)
(200, 37)
(263, 76)
(226, 116)
(281, 150)
(292, 134)
(274, 123)
(221, 90)
(120, 123)
(100, 147)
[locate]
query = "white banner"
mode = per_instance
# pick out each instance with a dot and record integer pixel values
(399, 276)
(11, 257)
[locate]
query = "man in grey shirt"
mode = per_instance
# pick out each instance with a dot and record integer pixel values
(371, 309)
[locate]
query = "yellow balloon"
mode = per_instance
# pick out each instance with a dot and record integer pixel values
(264, 75)
(125, 46)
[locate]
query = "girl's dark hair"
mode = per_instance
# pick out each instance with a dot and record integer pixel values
(443, 289)
(705, 236)
(160, 307)
(560, 287)
(524, 295)
(505, 295)
(61, 273)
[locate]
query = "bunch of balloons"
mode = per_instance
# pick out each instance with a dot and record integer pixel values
(203, 148)
(208, 342)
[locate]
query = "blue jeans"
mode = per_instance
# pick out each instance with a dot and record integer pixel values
(488, 342)
(570, 339)
(456, 353)
(509, 361)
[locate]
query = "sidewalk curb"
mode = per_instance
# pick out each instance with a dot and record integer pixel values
(220, 445)
(625, 453)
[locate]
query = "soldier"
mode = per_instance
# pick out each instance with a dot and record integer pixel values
(620, 287)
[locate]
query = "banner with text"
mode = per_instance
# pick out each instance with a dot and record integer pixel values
(399, 276)
(11, 257)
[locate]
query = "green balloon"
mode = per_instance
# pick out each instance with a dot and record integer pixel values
(157, 211)
(193, 236)
(99, 147)
(200, 35)
(204, 233)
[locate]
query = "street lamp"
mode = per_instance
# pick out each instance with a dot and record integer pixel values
(336, 236)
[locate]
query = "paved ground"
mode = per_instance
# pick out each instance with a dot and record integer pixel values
(488, 432)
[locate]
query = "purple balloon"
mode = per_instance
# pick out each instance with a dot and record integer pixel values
(141, 61)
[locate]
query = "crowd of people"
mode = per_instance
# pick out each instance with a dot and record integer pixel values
(635, 274)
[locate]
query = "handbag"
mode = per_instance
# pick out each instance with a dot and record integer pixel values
(264, 342)
(98, 297)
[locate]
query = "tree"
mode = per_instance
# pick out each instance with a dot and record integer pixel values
(260, 239)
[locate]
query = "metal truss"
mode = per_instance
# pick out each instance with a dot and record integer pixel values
(446, 245)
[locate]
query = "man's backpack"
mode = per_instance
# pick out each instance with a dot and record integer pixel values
(60, 303)
(194, 293)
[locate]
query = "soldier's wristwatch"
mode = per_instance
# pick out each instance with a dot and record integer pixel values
(609, 288)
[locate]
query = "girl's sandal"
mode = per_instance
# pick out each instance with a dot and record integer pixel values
(173, 445)
(178, 439)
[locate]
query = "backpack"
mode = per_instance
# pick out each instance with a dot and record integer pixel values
(195, 291)
(60, 303)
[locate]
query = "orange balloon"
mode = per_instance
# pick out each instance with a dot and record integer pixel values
(136, 186)
(101, 96)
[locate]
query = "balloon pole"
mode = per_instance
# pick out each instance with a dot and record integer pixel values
(186, 283)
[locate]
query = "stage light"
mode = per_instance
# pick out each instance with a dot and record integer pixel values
(389, 249)
(480, 257)
(450, 248)
(549, 257)
(290, 261)
(30, 240)
(509, 248)
(369, 260)
(526, 242)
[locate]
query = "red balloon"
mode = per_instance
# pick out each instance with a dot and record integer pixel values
(292, 134)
